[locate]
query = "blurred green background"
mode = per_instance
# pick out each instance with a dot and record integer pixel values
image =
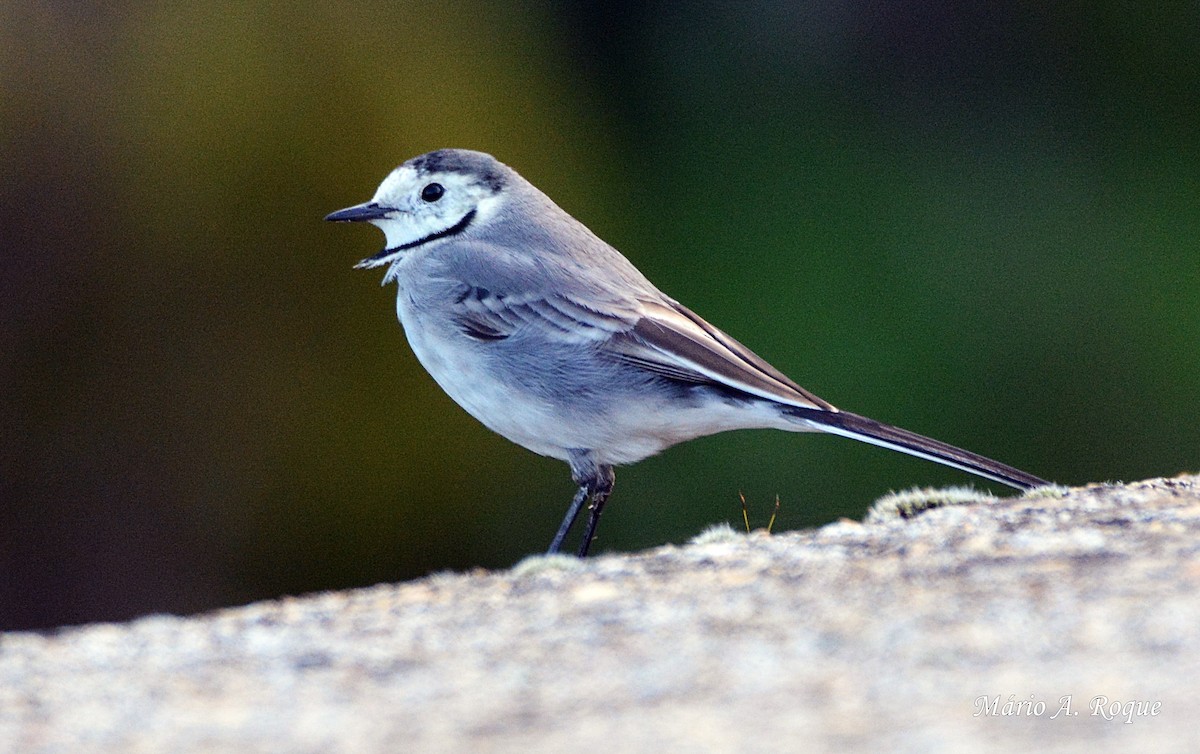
(979, 223)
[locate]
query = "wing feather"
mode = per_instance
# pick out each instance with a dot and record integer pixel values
(655, 334)
(672, 339)
(556, 317)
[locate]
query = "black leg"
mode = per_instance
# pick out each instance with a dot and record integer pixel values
(601, 489)
(569, 519)
(594, 480)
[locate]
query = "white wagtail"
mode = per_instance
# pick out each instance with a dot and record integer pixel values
(553, 339)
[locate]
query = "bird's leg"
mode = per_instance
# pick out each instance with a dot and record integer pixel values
(569, 519)
(594, 480)
(601, 488)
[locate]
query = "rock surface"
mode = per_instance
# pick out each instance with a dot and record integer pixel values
(913, 634)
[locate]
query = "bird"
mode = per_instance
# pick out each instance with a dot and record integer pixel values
(553, 339)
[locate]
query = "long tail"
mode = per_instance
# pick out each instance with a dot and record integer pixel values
(886, 436)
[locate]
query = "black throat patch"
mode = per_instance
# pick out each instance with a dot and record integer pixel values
(453, 230)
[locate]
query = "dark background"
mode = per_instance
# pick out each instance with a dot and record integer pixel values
(979, 223)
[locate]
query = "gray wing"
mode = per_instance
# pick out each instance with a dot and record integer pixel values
(498, 292)
(671, 339)
(485, 314)
(662, 337)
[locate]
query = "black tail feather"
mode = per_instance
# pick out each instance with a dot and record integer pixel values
(877, 433)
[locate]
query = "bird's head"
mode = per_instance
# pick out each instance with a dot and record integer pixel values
(431, 197)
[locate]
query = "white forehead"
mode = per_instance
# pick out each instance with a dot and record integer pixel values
(398, 182)
(406, 180)
(402, 187)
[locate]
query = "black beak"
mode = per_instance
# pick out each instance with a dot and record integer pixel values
(360, 213)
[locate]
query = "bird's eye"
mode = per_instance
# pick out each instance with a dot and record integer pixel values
(432, 192)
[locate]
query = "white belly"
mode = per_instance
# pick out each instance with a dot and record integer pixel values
(515, 415)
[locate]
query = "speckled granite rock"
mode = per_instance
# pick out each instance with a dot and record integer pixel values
(913, 634)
